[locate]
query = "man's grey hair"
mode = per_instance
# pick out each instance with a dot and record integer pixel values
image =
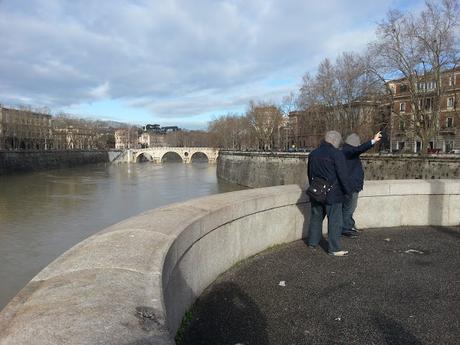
(334, 138)
(353, 139)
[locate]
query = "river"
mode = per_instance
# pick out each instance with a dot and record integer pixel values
(43, 214)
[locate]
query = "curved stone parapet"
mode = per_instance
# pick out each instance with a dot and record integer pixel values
(131, 283)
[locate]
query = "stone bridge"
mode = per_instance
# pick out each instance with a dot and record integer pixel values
(187, 154)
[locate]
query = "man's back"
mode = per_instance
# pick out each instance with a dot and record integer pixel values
(354, 165)
(328, 163)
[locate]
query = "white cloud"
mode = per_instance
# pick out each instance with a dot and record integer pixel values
(172, 57)
(101, 91)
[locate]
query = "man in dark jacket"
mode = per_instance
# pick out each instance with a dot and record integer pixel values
(352, 150)
(328, 162)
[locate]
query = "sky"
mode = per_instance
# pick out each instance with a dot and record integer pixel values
(172, 62)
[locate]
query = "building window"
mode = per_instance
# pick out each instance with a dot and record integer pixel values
(450, 122)
(429, 104)
(402, 125)
(431, 85)
(450, 102)
(449, 145)
(425, 104)
(418, 146)
(400, 145)
(402, 107)
(451, 79)
(403, 88)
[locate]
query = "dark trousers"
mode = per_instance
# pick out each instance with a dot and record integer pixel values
(334, 228)
(348, 208)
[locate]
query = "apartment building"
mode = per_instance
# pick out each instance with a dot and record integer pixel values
(126, 138)
(151, 139)
(431, 102)
(22, 129)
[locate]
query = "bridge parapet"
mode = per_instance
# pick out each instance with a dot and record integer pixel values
(131, 283)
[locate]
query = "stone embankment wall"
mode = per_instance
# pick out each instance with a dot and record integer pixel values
(132, 283)
(22, 161)
(263, 169)
(403, 167)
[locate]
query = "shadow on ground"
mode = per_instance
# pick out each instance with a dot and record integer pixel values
(224, 315)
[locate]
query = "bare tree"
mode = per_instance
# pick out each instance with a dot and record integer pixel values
(344, 96)
(229, 131)
(264, 119)
(421, 51)
(289, 103)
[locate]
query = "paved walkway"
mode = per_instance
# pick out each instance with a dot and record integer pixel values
(398, 286)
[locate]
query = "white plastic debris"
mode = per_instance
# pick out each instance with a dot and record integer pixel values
(413, 251)
(338, 319)
(282, 283)
(387, 239)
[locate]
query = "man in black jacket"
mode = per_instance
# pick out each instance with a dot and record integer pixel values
(352, 150)
(328, 162)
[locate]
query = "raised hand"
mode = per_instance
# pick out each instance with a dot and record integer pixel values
(378, 137)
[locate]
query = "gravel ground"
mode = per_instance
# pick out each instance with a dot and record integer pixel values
(398, 286)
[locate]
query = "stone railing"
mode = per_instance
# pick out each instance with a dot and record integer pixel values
(132, 282)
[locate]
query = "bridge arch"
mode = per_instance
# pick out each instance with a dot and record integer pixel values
(171, 156)
(143, 157)
(199, 156)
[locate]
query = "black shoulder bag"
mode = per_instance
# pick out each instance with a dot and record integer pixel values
(318, 189)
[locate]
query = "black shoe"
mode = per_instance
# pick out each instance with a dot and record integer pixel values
(350, 234)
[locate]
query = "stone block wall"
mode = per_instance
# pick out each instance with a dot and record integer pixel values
(22, 161)
(260, 169)
(403, 167)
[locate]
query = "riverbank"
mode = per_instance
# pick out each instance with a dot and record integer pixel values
(24, 161)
